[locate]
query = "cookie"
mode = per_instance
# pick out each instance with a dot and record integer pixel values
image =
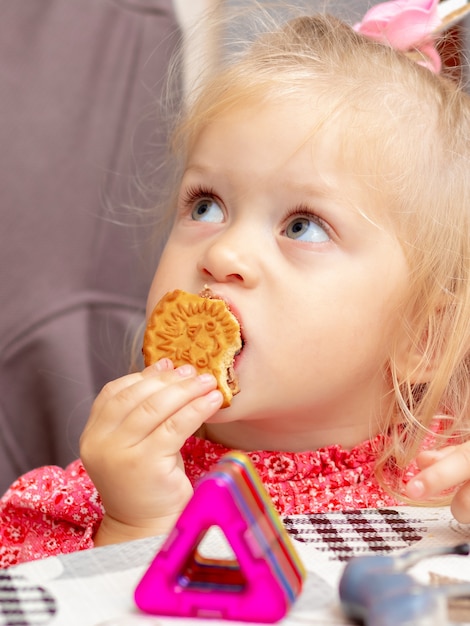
(195, 329)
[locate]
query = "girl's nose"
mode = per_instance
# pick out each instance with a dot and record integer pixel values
(230, 257)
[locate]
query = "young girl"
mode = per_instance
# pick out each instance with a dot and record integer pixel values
(324, 194)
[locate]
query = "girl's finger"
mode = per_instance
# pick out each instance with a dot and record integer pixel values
(108, 392)
(429, 457)
(160, 408)
(120, 397)
(116, 386)
(450, 470)
(163, 365)
(174, 431)
(460, 505)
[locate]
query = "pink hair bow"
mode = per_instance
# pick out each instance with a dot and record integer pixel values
(405, 25)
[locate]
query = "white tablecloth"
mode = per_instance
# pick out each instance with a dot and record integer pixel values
(95, 587)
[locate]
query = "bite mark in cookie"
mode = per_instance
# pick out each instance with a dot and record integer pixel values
(195, 329)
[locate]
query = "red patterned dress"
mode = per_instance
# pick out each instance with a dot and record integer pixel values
(51, 510)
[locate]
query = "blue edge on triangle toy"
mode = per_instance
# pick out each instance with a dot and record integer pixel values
(259, 586)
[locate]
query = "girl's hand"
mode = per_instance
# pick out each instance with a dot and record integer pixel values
(444, 469)
(131, 447)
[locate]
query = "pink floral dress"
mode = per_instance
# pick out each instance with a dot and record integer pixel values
(51, 510)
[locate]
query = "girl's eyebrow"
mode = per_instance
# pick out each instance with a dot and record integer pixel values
(194, 167)
(317, 187)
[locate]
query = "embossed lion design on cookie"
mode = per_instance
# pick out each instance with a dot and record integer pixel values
(196, 329)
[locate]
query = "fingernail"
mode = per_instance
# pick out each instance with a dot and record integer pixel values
(415, 488)
(214, 397)
(185, 370)
(206, 378)
(163, 365)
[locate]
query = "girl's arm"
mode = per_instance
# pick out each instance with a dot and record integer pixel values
(131, 447)
(46, 512)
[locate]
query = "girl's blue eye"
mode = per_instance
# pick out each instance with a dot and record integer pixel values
(306, 229)
(207, 210)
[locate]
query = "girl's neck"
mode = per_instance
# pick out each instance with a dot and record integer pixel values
(253, 435)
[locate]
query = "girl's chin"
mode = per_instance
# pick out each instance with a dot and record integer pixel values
(222, 416)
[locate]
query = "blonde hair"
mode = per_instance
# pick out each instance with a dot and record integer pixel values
(406, 133)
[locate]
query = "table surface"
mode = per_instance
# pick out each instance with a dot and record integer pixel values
(95, 587)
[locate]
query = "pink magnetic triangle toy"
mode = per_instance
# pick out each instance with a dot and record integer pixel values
(263, 581)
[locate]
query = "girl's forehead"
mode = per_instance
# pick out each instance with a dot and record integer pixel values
(351, 127)
(295, 122)
(289, 125)
(276, 132)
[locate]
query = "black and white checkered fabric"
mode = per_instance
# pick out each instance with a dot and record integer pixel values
(23, 603)
(349, 533)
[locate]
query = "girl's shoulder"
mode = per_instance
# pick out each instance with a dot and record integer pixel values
(52, 488)
(48, 511)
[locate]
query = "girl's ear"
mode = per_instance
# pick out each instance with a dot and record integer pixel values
(419, 351)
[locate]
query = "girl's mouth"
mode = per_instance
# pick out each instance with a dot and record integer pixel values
(207, 292)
